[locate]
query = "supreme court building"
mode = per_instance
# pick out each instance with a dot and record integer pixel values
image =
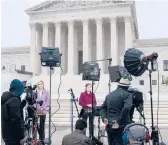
(83, 30)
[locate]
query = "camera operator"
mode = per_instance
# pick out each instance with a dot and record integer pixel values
(42, 109)
(115, 112)
(12, 113)
(77, 137)
(137, 102)
(85, 101)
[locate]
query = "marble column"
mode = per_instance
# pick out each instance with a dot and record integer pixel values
(71, 48)
(33, 49)
(99, 43)
(128, 33)
(58, 44)
(45, 70)
(38, 50)
(86, 48)
(114, 41)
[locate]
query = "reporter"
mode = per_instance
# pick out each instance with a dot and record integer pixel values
(42, 96)
(85, 101)
(11, 117)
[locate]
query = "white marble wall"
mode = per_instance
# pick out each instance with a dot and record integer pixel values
(12, 60)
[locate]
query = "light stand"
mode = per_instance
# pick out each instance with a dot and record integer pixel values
(88, 76)
(49, 132)
(92, 116)
(137, 63)
(50, 57)
(154, 134)
(109, 84)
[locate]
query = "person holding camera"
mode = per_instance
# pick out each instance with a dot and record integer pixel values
(85, 101)
(11, 114)
(42, 108)
(115, 112)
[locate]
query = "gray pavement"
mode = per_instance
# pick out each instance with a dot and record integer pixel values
(61, 131)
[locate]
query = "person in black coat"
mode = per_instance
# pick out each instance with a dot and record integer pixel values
(12, 114)
(115, 112)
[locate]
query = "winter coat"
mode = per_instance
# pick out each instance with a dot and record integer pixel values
(11, 118)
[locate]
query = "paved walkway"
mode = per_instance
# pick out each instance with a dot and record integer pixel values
(61, 131)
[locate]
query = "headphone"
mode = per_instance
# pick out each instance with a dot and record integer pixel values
(125, 136)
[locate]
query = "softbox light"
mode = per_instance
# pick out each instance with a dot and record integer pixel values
(118, 72)
(134, 62)
(91, 71)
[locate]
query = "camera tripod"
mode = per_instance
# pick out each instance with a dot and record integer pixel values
(73, 100)
(28, 123)
(31, 125)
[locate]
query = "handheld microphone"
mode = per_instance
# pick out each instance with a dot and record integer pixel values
(40, 102)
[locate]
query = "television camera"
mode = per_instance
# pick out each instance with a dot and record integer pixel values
(137, 101)
(31, 94)
(29, 104)
(30, 100)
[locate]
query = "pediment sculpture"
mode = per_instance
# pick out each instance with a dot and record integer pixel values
(64, 5)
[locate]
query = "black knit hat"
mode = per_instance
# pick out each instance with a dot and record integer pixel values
(80, 124)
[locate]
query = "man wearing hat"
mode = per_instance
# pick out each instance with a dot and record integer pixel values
(77, 137)
(11, 117)
(115, 112)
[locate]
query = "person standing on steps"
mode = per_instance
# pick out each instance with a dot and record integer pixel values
(42, 109)
(85, 101)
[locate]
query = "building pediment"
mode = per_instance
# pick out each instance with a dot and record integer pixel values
(68, 5)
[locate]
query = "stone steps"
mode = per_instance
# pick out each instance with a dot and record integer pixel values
(63, 116)
(136, 115)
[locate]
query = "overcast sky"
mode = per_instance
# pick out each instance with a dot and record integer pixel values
(152, 18)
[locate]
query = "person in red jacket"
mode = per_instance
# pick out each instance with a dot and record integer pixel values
(85, 101)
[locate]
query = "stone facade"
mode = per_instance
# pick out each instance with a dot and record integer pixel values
(83, 30)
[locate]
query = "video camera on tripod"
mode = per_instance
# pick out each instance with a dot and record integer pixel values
(138, 103)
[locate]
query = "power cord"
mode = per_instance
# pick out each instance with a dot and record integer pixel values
(57, 100)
